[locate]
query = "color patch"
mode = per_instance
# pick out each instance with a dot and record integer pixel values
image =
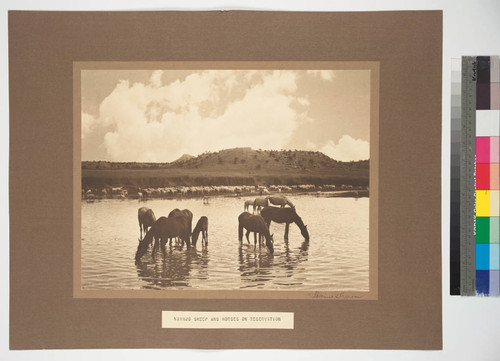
(483, 96)
(482, 203)
(494, 149)
(494, 283)
(494, 203)
(482, 282)
(494, 176)
(487, 123)
(483, 178)
(483, 230)
(482, 256)
(494, 256)
(494, 229)
(495, 96)
(482, 149)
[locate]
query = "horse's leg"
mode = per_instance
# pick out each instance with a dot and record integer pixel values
(162, 244)
(140, 228)
(248, 232)
(286, 231)
(155, 246)
(254, 239)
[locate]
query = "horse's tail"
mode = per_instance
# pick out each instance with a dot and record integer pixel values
(240, 232)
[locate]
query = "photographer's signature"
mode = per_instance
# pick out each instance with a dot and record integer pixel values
(339, 295)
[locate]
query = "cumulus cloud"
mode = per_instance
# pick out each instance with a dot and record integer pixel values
(327, 75)
(88, 123)
(347, 149)
(155, 79)
(160, 122)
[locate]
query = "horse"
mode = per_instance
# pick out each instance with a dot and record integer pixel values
(146, 218)
(281, 201)
(256, 224)
(163, 229)
(201, 226)
(184, 213)
(248, 203)
(284, 215)
(258, 203)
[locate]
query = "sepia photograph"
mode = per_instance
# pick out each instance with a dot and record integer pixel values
(226, 178)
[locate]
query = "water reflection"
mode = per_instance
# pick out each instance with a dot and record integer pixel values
(173, 267)
(336, 257)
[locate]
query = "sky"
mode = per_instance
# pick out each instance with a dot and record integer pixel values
(159, 115)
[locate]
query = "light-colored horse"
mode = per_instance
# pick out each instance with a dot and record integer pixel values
(248, 203)
(281, 201)
(258, 203)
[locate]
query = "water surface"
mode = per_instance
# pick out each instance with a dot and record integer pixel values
(335, 259)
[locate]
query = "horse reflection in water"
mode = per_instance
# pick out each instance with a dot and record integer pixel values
(258, 269)
(174, 269)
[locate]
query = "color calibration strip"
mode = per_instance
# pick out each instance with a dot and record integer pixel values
(487, 175)
(475, 190)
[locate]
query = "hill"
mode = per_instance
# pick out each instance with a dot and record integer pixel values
(237, 166)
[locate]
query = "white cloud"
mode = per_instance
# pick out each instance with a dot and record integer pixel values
(326, 75)
(155, 79)
(304, 101)
(160, 122)
(347, 149)
(88, 123)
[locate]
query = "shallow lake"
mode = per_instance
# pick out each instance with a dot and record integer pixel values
(335, 259)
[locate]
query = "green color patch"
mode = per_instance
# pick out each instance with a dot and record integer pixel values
(494, 230)
(483, 230)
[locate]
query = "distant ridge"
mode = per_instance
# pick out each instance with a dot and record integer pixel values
(183, 158)
(236, 166)
(242, 159)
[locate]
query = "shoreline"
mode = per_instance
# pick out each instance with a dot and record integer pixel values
(348, 192)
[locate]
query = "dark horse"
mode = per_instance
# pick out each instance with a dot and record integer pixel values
(146, 218)
(284, 215)
(184, 213)
(163, 229)
(201, 226)
(255, 224)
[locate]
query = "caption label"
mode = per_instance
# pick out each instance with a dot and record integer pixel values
(201, 319)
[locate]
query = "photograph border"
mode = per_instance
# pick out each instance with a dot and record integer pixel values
(373, 66)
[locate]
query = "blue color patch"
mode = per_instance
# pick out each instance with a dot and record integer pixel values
(482, 256)
(482, 283)
(494, 256)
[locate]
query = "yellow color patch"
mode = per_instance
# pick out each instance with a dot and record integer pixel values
(494, 203)
(482, 203)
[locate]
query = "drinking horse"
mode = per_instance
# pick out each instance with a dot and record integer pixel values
(184, 213)
(146, 218)
(258, 203)
(164, 229)
(257, 225)
(201, 227)
(284, 215)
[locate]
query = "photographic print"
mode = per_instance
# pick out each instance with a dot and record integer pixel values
(113, 114)
(198, 179)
